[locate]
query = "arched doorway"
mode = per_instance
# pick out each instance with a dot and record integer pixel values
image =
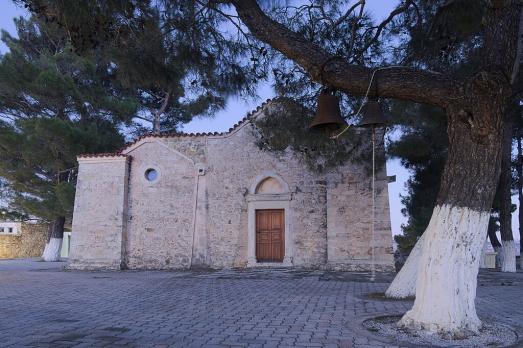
(269, 224)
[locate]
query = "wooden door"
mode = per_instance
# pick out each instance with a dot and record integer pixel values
(270, 241)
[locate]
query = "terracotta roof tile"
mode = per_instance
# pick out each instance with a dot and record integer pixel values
(107, 154)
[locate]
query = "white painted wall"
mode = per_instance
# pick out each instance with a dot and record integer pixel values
(10, 228)
(66, 245)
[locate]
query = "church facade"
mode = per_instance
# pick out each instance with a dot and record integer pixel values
(219, 201)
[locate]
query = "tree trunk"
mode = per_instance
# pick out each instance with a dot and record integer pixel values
(448, 267)
(404, 284)
(508, 261)
(519, 168)
(156, 123)
(157, 115)
(54, 240)
(483, 254)
(449, 262)
(494, 241)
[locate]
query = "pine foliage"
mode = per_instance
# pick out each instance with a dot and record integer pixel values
(173, 57)
(54, 105)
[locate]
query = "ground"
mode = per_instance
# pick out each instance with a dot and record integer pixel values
(42, 306)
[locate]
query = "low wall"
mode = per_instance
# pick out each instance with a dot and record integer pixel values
(29, 243)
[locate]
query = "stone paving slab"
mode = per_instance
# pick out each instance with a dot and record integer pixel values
(42, 306)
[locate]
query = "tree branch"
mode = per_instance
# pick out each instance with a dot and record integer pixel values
(379, 28)
(347, 14)
(399, 82)
(355, 28)
(159, 112)
(142, 118)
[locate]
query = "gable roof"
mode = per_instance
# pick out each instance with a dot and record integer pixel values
(250, 115)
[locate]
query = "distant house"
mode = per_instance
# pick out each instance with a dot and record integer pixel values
(10, 228)
(217, 200)
(20, 239)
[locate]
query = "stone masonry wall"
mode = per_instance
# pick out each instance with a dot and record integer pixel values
(161, 212)
(9, 246)
(349, 224)
(29, 243)
(234, 163)
(349, 196)
(99, 213)
(338, 203)
(196, 213)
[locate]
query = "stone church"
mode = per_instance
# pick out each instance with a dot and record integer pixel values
(216, 200)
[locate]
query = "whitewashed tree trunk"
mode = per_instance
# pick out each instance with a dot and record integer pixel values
(493, 238)
(519, 169)
(448, 268)
(52, 250)
(499, 255)
(483, 254)
(54, 241)
(508, 261)
(404, 284)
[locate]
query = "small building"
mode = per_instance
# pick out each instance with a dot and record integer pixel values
(177, 201)
(22, 239)
(10, 228)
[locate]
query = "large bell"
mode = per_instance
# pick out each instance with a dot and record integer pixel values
(372, 115)
(328, 116)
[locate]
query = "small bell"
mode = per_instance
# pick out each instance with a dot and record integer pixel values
(328, 116)
(372, 115)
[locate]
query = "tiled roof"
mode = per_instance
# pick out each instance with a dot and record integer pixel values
(106, 154)
(177, 135)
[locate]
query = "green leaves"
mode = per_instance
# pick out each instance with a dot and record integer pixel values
(42, 76)
(284, 126)
(38, 160)
(422, 148)
(148, 49)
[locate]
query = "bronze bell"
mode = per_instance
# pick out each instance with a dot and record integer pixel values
(328, 116)
(372, 115)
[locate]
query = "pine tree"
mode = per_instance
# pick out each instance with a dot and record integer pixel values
(54, 105)
(444, 40)
(169, 56)
(474, 102)
(422, 148)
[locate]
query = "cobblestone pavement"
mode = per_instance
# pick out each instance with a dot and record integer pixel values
(42, 306)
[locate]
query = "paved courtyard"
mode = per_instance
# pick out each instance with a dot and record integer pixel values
(42, 306)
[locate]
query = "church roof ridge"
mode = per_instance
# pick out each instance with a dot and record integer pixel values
(101, 155)
(119, 153)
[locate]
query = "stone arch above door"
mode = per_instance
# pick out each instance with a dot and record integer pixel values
(269, 186)
(269, 182)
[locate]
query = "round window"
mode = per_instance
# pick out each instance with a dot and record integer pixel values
(151, 174)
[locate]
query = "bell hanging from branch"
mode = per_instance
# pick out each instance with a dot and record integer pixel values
(328, 116)
(372, 115)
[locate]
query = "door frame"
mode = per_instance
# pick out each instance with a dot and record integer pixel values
(269, 201)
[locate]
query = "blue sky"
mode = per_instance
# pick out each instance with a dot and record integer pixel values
(237, 108)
